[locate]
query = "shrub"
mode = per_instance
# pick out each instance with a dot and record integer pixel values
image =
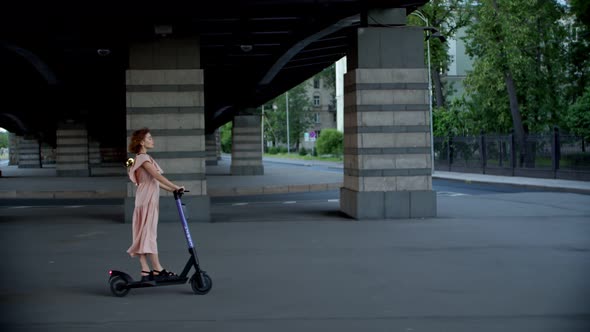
(226, 137)
(330, 142)
(273, 150)
(577, 117)
(303, 152)
(282, 149)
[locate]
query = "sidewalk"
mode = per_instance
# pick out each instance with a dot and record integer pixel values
(280, 176)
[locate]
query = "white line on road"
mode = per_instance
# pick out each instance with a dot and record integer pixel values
(290, 202)
(239, 204)
(450, 193)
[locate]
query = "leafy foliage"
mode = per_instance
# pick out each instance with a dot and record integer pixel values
(447, 16)
(300, 118)
(4, 139)
(330, 142)
(226, 137)
(578, 116)
(524, 39)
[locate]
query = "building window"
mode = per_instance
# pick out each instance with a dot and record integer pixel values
(316, 83)
(316, 100)
(318, 118)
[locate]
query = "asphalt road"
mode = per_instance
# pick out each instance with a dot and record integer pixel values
(277, 207)
(495, 259)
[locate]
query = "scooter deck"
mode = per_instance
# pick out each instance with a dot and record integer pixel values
(154, 283)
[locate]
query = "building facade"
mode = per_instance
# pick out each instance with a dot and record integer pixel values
(321, 95)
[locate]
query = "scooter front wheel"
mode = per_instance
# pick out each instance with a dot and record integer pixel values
(207, 284)
(118, 286)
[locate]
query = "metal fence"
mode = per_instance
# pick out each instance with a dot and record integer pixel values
(554, 155)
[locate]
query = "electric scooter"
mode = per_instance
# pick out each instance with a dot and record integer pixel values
(121, 283)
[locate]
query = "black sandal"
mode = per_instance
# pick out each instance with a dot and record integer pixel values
(164, 274)
(149, 277)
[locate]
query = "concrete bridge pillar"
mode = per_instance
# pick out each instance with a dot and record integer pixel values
(72, 150)
(387, 162)
(165, 94)
(211, 146)
(218, 144)
(94, 159)
(48, 155)
(246, 156)
(29, 152)
(12, 149)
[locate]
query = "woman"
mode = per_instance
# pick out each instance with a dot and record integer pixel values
(147, 175)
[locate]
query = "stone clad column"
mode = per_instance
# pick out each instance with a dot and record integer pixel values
(94, 158)
(211, 146)
(217, 144)
(387, 163)
(165, 94)
(12, 149)
(72, 150)
(246, 154)
(29, 152)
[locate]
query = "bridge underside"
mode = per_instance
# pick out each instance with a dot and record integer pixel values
(83, 84)
(251, 51)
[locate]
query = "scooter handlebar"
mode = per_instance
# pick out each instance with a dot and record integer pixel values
(178, 193)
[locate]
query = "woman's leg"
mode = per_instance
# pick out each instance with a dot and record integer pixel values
(144, 264)
(156, 262)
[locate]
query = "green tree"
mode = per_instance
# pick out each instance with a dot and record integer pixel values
(577, 117)
(225, 133)
(454, 120)
(330, 142)
(300, 118)
(447, 16)
(581, 9)
(518, 68)
(4, 139)
(578, 69)
(328, 78)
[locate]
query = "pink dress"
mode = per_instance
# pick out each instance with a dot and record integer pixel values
(147, 201)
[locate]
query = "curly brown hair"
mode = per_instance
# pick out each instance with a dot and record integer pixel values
(136, 139)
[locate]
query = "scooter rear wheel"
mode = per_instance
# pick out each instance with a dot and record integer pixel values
(118, 286)
(207, 284)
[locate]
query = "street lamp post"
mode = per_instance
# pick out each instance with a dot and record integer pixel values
(262, 130)
(423, 18)
(288, 143)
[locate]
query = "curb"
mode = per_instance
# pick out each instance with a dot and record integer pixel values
(522, 185)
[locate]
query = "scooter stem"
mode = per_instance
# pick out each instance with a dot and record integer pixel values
(187, 233)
